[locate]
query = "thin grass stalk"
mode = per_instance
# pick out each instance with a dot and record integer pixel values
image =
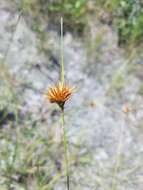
(65, 142)
(117, 163)
(62, 54)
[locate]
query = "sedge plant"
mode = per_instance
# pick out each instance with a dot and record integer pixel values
(59, 94)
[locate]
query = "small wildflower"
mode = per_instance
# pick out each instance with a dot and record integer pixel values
(126, 108)
(93, 104)
(59, 94)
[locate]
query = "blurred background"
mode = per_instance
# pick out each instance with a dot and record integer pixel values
(104, 118)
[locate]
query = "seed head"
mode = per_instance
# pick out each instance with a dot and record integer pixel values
(59, 94)
(126, 108)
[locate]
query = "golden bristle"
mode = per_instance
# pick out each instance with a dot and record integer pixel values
(59, 93)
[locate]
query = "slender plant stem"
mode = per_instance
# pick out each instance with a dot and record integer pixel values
(118, 162)
(65, 143)
(62, 53)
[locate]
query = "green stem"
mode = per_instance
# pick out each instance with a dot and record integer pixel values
(117, 164)
(62, 53)
(65, 144)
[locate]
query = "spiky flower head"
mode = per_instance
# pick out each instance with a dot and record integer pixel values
(59, 94)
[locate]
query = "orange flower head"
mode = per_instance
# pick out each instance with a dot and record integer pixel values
(59, 94)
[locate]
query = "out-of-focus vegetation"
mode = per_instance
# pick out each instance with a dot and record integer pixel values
(125, 15)
(73, 11)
